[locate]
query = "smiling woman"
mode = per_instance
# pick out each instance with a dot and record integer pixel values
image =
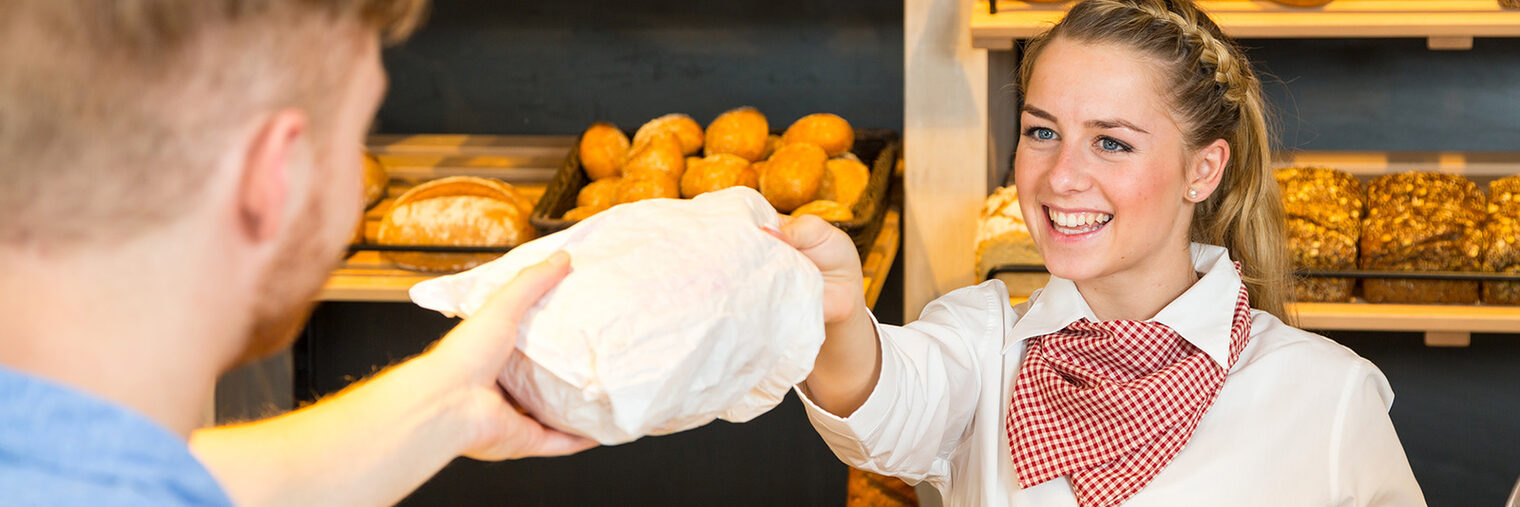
(1155, 366)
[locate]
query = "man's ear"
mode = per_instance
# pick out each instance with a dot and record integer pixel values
(265, 184)
(1206, 170)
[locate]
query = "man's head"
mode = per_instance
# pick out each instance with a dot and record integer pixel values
(243, 118)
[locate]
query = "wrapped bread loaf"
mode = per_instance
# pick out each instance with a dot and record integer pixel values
(1420, 221)
(1503, 231)
(455, 211)
(1324, 223)
(1002, 237)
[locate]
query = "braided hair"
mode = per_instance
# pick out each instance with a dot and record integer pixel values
(1214, 94)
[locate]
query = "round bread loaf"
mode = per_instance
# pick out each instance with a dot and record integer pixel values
(717, 172)
(661, 153)
(649, 185)
(600, 194)
(792, 176)
(828, 131)
(455, 211)
(743, 132)
(603, 147)
(581, 213)
(827, 210)
(844, 180)
(375, 180)
(685, 129)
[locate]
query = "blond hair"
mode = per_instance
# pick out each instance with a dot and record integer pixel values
(113, 113)
(1215, 95)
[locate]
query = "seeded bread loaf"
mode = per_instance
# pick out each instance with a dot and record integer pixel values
(1503, 227)
(1420, 221)
(1324, 223)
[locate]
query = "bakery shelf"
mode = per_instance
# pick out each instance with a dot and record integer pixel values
(1449, 24)
(528, 162)
(1477, 165)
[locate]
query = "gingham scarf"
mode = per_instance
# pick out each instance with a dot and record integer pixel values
(1111, 403)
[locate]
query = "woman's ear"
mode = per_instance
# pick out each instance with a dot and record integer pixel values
(264, 186)
(1206, 169)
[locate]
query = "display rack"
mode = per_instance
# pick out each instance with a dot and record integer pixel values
(528, 162)
(1446, 24)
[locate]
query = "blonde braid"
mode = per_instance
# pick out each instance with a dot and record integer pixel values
(1212, 51)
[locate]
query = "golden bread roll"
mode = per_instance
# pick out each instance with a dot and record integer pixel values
(743, 132)
(454, 211)
(792, 176)
(650, 185)
(581, 213)
(599, 194)
(1303, 3)
(717, 172)
(772, 143)
(661, 154)
(603, 147)
(375, 180)
(759, 167)
(827, 210)
(843, 181)
(686, 130)
(828, 131)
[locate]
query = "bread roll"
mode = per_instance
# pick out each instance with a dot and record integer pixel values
(603, 148)
(792, 176)
(599, 194)
(1324, 215)
(828, 131)
(1503, 252)
(844, 179)
(1420, 221)
(717, 172)
(649, 185)
(685, 129)
(1303, 3)
(743, 132)
(375, 180)
(581, 213)
(772, 143)
(455, 211)
(827, 210)
(661, 154)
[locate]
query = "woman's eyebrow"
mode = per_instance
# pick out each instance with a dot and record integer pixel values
(1039, 113)
(1115, 124)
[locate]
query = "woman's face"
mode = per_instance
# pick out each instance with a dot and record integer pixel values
(1101, 166)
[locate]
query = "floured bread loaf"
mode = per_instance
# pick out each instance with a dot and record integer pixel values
(455, 211)
(1002, 237)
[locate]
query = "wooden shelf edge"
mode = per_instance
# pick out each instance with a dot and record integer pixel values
(1262, 19)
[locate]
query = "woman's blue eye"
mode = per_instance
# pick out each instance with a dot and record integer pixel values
(1042, 133)
(1110, 144)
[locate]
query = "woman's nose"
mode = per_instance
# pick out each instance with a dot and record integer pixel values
(1068, 173)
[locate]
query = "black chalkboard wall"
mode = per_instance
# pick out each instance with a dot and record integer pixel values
(514, 67)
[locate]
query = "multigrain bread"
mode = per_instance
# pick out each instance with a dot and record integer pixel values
(1502, 253)
(1002, 237)
(1421, 221)
(455, 211)
(1324, 223)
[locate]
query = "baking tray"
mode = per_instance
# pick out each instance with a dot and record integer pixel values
(877, 147)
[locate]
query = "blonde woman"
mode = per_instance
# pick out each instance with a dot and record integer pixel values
(1156, 367)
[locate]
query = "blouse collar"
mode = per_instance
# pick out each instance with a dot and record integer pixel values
(1202, 315)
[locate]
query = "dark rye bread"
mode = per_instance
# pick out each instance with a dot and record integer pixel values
(1324, 222)
(1502, 253)
(1421, 221)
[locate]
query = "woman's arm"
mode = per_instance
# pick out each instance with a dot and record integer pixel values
(849, 362)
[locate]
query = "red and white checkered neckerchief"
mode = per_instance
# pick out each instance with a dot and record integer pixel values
(1111, 403)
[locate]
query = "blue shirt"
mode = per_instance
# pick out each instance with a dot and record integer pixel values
(60, 446)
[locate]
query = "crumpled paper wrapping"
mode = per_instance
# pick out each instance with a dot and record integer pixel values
(675, 312)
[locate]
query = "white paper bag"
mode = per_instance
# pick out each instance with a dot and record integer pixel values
(675, 312)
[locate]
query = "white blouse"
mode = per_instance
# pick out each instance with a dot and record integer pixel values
(1300, 420)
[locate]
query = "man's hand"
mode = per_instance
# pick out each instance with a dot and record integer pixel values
(479, 348)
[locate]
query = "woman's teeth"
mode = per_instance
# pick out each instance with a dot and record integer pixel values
(1078, 223)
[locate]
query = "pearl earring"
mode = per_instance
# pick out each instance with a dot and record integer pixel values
(1192, 194)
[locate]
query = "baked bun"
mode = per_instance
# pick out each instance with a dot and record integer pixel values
(792, 176)
(649, 185)
(599, 195)
(375, 180)
(685, 129)
(1303, 3)
(455, 211)
(603, 147)
(581, 213)
(717, 172)
(827, 210)
(828, 131)
(844, 179)
(661, 153)
(743, 132)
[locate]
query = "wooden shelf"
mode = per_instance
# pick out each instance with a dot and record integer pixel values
(1448, 23)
